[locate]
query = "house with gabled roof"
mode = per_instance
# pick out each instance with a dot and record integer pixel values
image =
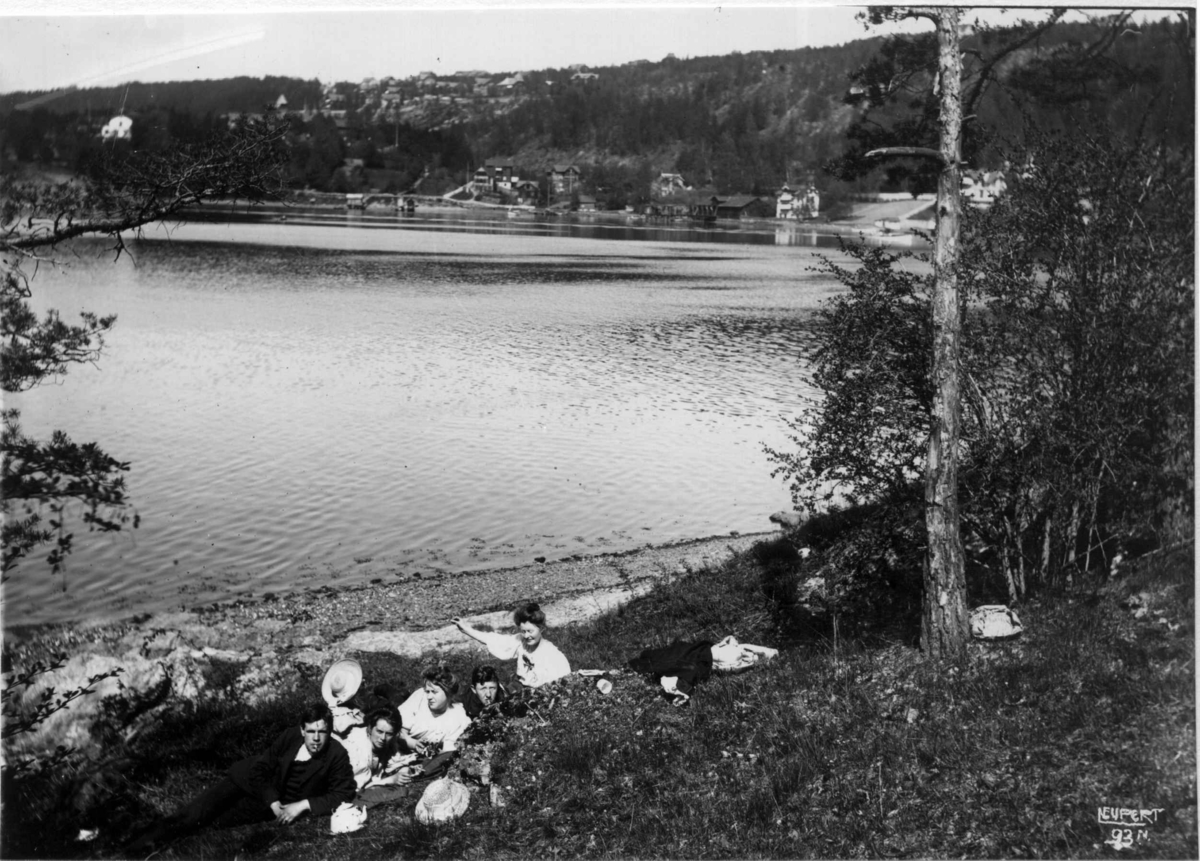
(513, 83)
(564, 178)
(667, 184)
(742, 206)
(527, 191)
(496, 173)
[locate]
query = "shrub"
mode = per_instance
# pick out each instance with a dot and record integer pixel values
(1077, 371)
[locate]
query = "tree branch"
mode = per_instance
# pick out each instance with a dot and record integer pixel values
(989, 67)
(900, 151)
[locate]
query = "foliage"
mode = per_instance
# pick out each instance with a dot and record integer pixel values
(21, 717)
(1041, 73)
(870, 354)
(1082, 377)
(53, 474)
(1077, 365)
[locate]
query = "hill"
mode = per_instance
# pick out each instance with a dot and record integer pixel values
(742, 123)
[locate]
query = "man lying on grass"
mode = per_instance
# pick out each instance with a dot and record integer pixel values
(301, 772)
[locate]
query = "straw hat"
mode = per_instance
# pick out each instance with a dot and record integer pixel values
(341, 682)
(442, 801)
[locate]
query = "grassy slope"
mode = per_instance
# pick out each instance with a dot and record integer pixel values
(862, 751)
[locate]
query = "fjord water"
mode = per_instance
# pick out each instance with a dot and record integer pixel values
(304, 404)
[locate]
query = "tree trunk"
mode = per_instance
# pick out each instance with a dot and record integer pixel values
(1047, 538)
(1072, 540)
(944, 619)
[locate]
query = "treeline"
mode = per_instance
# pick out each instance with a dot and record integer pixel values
(742, 123)
(739, 123)
(387, 158)
(746, 122)
(238, 95)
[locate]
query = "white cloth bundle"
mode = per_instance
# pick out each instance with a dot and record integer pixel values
(729, 654)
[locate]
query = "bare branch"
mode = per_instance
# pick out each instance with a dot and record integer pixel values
(899, 151)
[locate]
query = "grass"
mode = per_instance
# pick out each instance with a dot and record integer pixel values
(850, 748)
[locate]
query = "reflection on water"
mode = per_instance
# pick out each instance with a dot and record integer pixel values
(607, 225)
(305, 405)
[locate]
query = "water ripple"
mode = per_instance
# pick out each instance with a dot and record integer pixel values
(420, 401)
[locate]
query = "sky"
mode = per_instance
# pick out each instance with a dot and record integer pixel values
(49, 44)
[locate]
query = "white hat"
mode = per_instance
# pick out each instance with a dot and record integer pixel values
(347, 819)
(443, 800)
(341, 682)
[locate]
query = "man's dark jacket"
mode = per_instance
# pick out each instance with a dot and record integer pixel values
(328, 784)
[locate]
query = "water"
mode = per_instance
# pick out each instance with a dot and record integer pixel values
(305, 404)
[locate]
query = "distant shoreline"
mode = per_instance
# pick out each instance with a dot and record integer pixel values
(326, 202)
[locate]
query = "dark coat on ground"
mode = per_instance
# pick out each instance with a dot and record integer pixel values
(247, 791)
(691, 663)
(328, 783)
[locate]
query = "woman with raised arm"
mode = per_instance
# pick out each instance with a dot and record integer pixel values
(539, 661)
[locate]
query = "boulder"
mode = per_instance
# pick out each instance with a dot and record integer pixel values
(786, 519)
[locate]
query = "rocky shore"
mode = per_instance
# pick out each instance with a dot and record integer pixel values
(248, 647)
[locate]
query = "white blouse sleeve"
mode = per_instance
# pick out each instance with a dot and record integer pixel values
(502, 646)
(358, 748)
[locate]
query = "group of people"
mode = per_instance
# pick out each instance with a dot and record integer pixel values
(339, 756)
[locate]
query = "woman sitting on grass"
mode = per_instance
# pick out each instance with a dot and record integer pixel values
(430, 721)
(373, 751)
(539, 661)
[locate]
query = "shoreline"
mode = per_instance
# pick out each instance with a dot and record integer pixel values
(843, 227)
(412, 605)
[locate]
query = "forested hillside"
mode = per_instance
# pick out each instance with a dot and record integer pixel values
(743, 123)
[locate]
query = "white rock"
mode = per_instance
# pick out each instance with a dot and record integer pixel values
(994, 622)
(786, 519)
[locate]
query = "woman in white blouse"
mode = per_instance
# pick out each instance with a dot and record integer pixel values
(539, 661)
(430, 721)
(372, 748)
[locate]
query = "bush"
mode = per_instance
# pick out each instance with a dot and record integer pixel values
(1077, 371)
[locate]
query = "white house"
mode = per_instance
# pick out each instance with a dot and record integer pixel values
(119, 127)
(982, 187)
(796, 204)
